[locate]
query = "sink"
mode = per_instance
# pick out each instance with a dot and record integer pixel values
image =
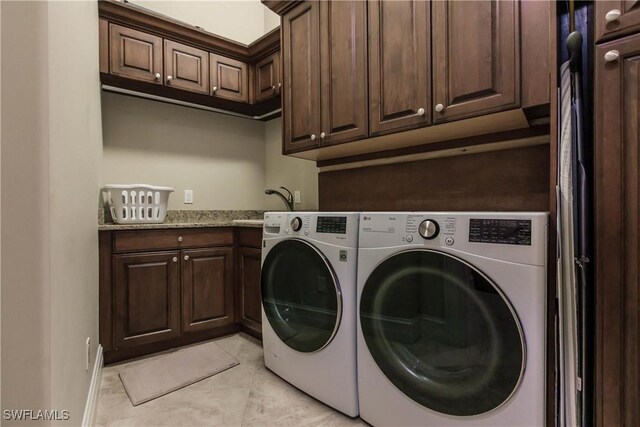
(249, 221)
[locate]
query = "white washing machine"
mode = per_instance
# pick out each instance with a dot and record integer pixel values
(451, 318)
(308, 288)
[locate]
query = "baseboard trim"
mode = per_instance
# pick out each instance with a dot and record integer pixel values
(92, 397)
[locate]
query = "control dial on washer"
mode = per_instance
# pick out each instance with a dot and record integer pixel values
(296, 223)
(429, 229)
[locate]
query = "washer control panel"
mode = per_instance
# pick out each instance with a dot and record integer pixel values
(519, 237)
(501, 231)
(331, 224)
(296, 223)
(429, 229)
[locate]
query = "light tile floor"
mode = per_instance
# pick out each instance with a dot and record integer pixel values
(245, 395)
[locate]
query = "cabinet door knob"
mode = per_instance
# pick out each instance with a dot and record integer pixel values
(215, 89)
(279, 85)
(322, 135)
(439, 108)
(313, 136)
(612, 15)
(180, 239)
(175, 259)
(611, 56)
(186, 257)
(273, 87)
(157, 76)
(169, 78)
(420, 111)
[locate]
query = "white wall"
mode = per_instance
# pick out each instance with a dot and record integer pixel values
(289, 172)
(239, 20)
(25, 380)
(219, 157)
(75, 148)
(271, 20)
(227, 161)
(51, 144)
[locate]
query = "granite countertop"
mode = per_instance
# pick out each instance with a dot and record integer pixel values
(190, 219)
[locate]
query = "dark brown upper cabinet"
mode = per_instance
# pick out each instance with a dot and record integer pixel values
(267, 82)
(229, 78)
(166, 59)
(207, 288)
(186, 67)
(343, 66)
(425, 63)
(324, 72)
(135, 55)
(616, 18)
(617, 202)
(147, 299)
(399, 65)
(476, 58)
(301, 70)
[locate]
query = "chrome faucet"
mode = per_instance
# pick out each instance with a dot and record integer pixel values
(288, 200)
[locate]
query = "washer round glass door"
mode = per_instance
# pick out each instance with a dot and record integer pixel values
(300, 295)
(442, 332)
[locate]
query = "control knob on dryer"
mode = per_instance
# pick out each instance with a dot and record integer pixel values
(429, 229)
(296, 223)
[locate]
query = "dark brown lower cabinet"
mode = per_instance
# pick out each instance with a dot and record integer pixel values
(147, 298)
(250, 299)
(249, 263)
(164, 288)
(617, 222)
(207, 288)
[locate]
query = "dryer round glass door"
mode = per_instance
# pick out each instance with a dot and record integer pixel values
(300, 295)
(442, 332)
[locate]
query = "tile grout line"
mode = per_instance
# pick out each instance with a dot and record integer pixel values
(253, 379)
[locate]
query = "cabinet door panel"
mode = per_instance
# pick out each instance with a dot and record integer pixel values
(627, 23)
(476, 58)
(301, 66)
(617, 222)
(343, 58)
(399, 71)
(267, 77)
(188, 67)
(134, 54)
(147, 302)
(250, 300)
(207, 288)
(229, 78)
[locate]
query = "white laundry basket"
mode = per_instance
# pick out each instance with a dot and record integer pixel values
(137, 203)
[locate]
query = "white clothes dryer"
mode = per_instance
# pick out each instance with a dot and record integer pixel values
(451, 318)
(308, 286)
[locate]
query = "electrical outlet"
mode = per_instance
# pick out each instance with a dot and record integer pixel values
(296, 196)
(88, 353)
(188, 196)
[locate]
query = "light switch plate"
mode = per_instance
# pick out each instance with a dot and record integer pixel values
(296, 196)
(188, 196)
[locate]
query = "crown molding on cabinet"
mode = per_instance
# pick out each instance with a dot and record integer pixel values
(280, 6)
(140, 18)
